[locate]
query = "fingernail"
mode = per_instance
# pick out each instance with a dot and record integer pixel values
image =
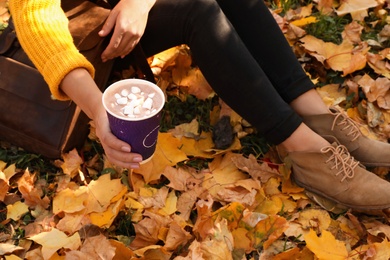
(137, 159)
(125, 149)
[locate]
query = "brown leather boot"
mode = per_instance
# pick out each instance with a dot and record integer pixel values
(338, 127)
(335, 175)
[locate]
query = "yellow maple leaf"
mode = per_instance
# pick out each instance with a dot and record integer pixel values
(17, 210)
(105, 219)
(326, 246)
(168, 153)
(170, 205)
(101, 192)
(70, 201)
(54, 240)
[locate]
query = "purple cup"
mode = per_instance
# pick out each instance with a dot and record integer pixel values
(140, 132)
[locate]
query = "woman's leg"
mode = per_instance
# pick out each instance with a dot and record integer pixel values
(226, 62)
(260, 78)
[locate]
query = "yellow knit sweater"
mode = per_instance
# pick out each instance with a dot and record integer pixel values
(42, 29)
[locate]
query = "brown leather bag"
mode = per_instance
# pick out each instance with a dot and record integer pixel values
(29, 118)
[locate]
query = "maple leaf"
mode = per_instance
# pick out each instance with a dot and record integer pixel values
(54, 240)
(32, 195)
(6, 248)
(168, 153)
(326, 246)
(262, 172)
(16, 210)
(148, 230)
(352, 32)
(376, 90)
(176, 236)
(72, 162)
(357, 8)
(95, 247)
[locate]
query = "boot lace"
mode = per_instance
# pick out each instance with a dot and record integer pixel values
(341, 160)
(347, 124)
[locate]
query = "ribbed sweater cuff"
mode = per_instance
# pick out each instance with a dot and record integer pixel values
(59, 66)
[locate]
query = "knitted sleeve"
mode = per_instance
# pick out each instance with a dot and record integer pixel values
(42, 30)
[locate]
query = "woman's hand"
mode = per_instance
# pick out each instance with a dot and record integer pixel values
(79, 86)
(128, 20)
(117, 151)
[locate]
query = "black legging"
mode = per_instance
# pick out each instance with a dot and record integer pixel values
(242, 53)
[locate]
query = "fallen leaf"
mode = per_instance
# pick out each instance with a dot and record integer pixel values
(54, 240)
(16, 210)
(326, 246)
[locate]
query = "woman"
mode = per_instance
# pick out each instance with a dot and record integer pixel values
(245, 58)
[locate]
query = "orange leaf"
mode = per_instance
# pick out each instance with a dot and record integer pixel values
(326, 246)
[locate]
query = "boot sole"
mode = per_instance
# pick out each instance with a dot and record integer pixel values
(324, 200)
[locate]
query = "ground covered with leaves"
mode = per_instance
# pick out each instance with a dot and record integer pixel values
(203, 198)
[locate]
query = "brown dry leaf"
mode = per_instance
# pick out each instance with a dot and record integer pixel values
(194, 252)
(54, 240)
(352, 32)
(72, 223)
(382, 250)
(168, 153)
(204, 222)
(378, 63)
(95, 247)
(336, 57)
(219, 245)
(151, 197)
(262, 172)
(148, 229)
(6, 248)
(121, 250)
(326, 246)
(178, 178)
(187, 200)
(32, 195)
(358, 60)
(176, 237)
(376, 90)
(72, 162)
(357, 8)
(325, 6)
